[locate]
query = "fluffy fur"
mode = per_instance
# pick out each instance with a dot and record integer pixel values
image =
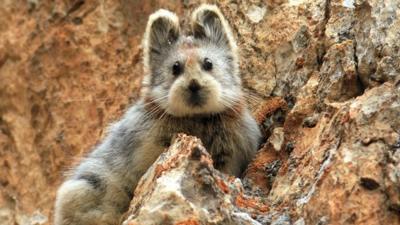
(201, 96)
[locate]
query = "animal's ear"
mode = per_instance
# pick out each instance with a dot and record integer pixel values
(209, 23)
(161, 32)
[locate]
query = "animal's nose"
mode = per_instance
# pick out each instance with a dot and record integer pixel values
(194, 86)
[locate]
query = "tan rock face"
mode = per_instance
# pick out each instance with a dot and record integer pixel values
(323, 81)
(338, 170)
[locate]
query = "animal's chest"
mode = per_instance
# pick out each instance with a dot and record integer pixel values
(217, 136)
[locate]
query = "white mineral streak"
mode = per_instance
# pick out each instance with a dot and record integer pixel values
(321, 171)
(296, 2)
(348, 4)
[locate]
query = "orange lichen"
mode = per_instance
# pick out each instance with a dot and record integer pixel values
(187, 145)
(268, 107)
(243, 202)
(256, 170)
(222, 185)
(188, 222)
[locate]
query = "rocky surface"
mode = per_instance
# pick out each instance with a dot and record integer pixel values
(323, 78)
(344, 168)
(182, 187)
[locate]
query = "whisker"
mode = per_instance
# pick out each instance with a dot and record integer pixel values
(152, 112)
(155, 100)
(230, 104)
(90, 99)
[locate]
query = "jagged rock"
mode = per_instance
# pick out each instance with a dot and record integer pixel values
(344, 163)
(338, 74)
(182, 187)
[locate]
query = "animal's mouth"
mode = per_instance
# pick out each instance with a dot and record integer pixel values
(196, 100)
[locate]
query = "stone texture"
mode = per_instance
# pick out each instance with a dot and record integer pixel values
(324, 75)
(182, 187)
(339, 169)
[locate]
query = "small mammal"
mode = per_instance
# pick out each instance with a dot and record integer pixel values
(192, 85)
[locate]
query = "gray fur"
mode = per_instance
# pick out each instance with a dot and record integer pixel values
(100, 188)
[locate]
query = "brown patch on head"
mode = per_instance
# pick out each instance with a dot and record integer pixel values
(188, 47)
(191, 57)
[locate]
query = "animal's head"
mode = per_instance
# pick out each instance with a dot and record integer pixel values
(196, 74)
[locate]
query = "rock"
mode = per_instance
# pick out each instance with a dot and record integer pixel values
(255, 13)
(299, 222)
(182, 187)
(335, 170)
(276, 139)
(261, 173)
(338, 75)
(282, 220)
(271, 114)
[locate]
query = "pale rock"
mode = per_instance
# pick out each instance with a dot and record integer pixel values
(182, 187)
(276, 139)
(256, 13)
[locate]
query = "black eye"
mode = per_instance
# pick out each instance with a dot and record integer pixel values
(207, 64)
(177, 69)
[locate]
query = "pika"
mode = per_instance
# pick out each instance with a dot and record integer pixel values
(192, 85)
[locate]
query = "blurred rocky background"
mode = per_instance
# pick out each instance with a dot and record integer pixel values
(322, 77)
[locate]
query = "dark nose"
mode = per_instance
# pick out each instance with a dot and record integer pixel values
(194, 86)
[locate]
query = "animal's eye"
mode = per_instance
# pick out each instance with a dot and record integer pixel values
(177, 68)
(207, 64)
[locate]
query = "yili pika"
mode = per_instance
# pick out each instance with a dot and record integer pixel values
(192, 85)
